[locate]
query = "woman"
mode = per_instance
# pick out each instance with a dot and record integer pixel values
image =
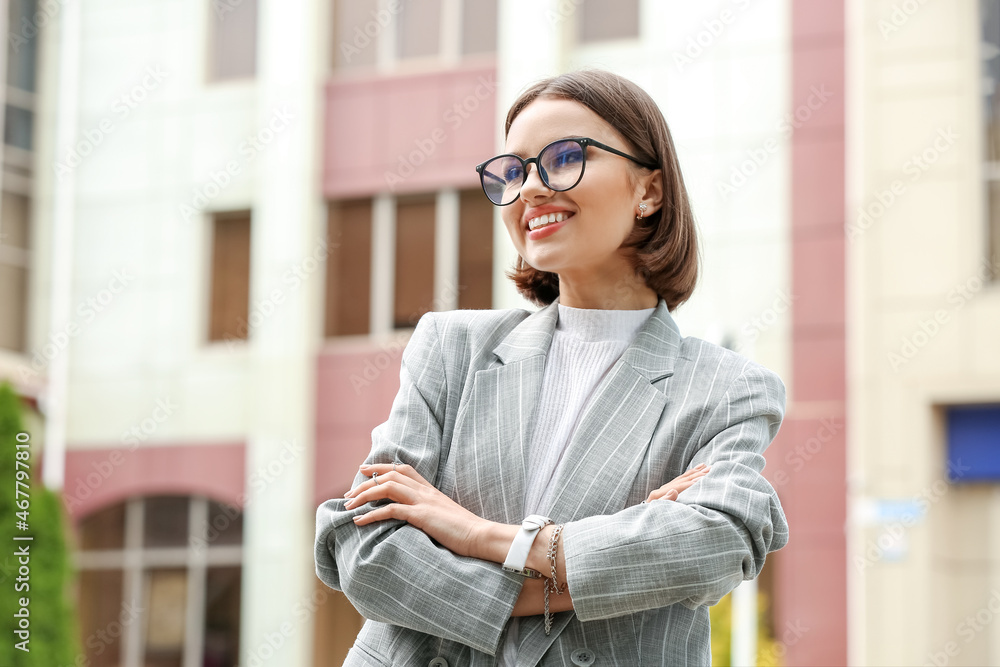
(513, 509)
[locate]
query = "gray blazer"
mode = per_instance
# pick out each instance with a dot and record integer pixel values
(641, 575)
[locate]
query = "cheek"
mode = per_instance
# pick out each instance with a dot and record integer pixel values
(511, 220)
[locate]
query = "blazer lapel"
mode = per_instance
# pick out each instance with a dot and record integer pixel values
(493, 429)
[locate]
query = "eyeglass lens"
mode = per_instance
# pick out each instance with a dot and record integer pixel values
(560, 166)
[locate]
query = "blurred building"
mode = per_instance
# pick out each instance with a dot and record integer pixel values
(923, 248)
(221, 220)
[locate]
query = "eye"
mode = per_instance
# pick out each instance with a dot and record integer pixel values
(512, 173)
(565, 155)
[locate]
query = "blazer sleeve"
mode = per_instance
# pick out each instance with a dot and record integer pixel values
(390, 571)
(698, 548)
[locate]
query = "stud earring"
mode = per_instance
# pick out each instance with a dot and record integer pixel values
(642, 211)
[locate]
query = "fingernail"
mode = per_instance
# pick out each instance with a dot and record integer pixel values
(357, 518)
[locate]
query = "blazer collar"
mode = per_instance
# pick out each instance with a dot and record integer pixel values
(652, 353)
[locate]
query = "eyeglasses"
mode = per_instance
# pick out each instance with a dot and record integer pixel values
(560, 166)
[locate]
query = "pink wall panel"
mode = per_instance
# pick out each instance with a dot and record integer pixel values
(408, 133)
(819, 270)
(96, 478)
(811, 572)
(356, 384)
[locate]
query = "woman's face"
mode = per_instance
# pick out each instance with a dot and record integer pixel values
(600, 211)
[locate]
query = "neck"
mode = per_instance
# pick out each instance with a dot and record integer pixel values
(608, 298)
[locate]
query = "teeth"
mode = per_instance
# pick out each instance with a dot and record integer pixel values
(542, 220)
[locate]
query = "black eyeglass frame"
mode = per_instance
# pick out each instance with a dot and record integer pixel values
(584, 143)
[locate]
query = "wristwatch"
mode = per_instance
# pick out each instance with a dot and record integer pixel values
(517, 557)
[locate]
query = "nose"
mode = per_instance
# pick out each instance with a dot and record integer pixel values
(534, 187)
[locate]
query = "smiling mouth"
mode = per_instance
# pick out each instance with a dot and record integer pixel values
(547, 219)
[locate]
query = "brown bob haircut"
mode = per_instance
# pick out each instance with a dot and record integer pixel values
(664, 245)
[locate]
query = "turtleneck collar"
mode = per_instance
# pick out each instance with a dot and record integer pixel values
(595, 324)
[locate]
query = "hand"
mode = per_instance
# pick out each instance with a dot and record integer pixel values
(418, 503)
(677, 485)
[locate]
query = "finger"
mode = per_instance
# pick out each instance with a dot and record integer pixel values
(393, 511)
(388, 490)
(384, 468)
(383, 477)
(671, 494)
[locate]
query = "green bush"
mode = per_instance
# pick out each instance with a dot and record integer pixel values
(52, 626)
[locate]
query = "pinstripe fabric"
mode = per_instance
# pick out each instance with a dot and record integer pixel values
(640, 575)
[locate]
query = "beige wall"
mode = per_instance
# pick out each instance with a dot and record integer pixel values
(924, 331)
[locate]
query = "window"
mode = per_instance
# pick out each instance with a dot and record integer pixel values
(414, 287)
(356, 28)
(16, 178)
(230, 297)
(419, 29)
(348, 269)
(475, 251)
(19, 110)
(604, 20)
(461, 276)
(990, 49)
(368, 33)
(160, 583)
(14, 264)
(479, 26)
(233, 39)
(973, 433)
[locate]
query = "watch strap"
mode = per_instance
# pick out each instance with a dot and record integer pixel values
(517, 556)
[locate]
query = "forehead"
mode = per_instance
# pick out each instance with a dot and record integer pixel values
(547, 119)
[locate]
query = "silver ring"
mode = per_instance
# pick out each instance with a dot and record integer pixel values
(375, 478)
(395, 463)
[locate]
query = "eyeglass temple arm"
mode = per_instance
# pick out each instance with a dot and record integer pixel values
(618, 152)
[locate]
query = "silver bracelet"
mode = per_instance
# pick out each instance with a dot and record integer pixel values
(552, 583)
